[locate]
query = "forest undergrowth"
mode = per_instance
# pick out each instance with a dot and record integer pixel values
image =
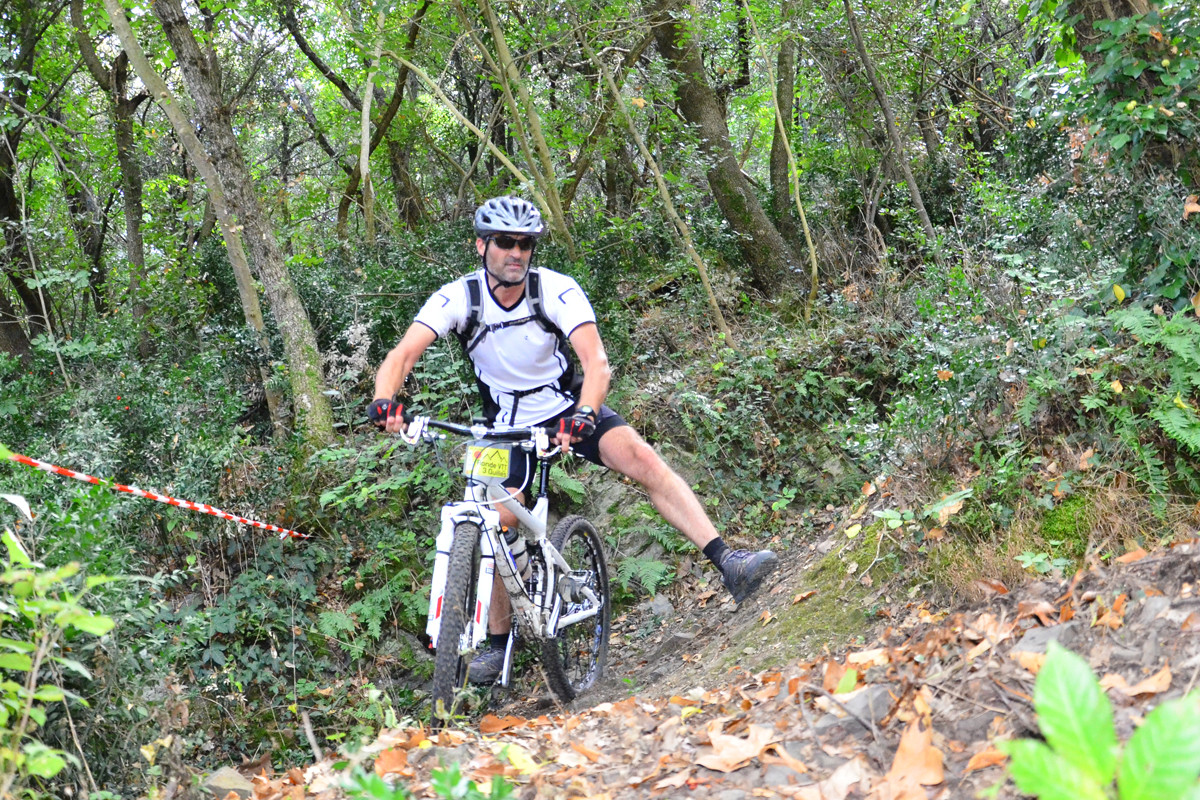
(1015, 398)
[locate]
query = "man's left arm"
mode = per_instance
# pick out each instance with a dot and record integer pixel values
(585, 339)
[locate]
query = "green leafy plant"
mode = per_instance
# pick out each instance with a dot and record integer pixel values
(40, 608)
(1080, 756)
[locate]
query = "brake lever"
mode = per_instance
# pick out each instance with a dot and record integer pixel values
(416, 431)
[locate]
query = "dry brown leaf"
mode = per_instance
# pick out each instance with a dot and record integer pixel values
(988, 631)
(876, 657)
(766, 616)
(1085, 459)
(730, 753)
(833, 675)
(779, 753)
(946, 512)
(1067, 612)
(1157, 683)
(295, 776)
(917, 763)
(1191, 206)
(936, 534)
(802, 596)
(1132, 556)
(587, 752)
(1192, 623)
(868, 489)
(675, 781)
(838, 785)
(1041, 609)
(989, 757)
(493, 724)
(990, 586)
(945, 374)
(1114, 617)
(640, 102)
(392, 760)
(1029, 661)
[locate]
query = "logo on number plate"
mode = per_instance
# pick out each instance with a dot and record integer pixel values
(486, 462)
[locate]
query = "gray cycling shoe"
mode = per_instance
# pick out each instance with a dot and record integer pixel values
(743, 571)
(485, 667)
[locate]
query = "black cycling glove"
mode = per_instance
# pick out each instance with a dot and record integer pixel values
(379, 411)
(582, 424)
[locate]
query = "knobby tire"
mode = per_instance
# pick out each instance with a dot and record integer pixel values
(462, 580)
(576, 658)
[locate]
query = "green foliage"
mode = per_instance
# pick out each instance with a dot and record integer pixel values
(42, 615)
(647, 573)
(1080, 756)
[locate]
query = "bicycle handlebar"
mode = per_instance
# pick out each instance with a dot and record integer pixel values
(480, 431)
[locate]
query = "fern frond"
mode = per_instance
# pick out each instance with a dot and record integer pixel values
(648, 573)
(1182, 425)
(1138, 321)
(335, 623)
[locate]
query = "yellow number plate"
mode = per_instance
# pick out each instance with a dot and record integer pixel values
(486, 462)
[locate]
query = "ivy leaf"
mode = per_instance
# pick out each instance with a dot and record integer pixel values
(1075, 716)
(1162, 758)
(1037, 770)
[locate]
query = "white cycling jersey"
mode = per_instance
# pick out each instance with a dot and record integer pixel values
(524, 375)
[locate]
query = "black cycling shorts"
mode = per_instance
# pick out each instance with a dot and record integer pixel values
(520, 470)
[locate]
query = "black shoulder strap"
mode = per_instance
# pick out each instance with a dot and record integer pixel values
(533, 290)
(474, 308)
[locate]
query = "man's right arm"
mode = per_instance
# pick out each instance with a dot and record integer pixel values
(399, 363)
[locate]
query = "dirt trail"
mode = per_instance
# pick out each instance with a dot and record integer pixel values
(709, 700)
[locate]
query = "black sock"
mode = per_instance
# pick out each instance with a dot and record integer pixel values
(715, 550)
(498, 641)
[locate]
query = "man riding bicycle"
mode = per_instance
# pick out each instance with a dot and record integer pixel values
(514, 323)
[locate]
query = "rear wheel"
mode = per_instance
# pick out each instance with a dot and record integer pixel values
(458, 607)
(576, 658)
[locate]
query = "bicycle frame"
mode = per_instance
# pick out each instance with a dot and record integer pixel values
(537, 608)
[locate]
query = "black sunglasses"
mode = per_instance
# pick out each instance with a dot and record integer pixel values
(509, 242)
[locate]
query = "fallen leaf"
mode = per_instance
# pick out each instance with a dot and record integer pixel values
(802, 596)
(833, 675)
(935, 534)
(1191, 206)
(640, 102)
(868, 489)
(675, 781)
(779, 753)
(917, 763)
(586, 752)
(731, 753)
(945, 374)
(948, 511)
(1067, 612)
(1157, 683)
(1132, 556)
(853, 530)
(876, 657)
(1085, 459)
(991, 586)
(989, 757)
(1118, 293)
(846, 777)
(1116, 387)
(766, 617)
(392, 760)
(1029, 661)
(493, 724)
(1114, 617)
(1041, 609)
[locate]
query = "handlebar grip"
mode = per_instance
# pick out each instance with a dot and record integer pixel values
(407, 416)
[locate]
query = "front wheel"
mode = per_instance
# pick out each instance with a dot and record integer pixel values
(576, 658)
(462, 580)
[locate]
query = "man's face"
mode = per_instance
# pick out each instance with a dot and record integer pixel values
(506, 264)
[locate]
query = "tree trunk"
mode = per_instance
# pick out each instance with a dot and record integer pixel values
(12, 336)
(893, 131)
(202, 77)
(408, 196)
(115, 83)
(769, 256)
(781, 183)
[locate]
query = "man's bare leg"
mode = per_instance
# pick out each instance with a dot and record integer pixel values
(742, 571)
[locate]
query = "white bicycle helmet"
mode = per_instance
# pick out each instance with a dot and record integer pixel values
(508, 214)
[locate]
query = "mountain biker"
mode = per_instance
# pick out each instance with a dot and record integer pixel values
(525, 377)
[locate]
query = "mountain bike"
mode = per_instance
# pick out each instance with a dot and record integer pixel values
(557, 583)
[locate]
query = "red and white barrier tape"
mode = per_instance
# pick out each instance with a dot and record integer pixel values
(203, 508)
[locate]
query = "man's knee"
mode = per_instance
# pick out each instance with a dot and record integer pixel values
(635, 458)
